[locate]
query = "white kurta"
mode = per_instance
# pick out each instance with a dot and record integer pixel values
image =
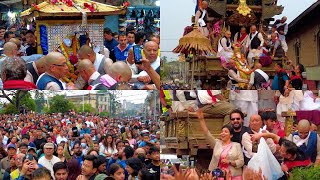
(291, 102)
(247, 102)
(224, 50)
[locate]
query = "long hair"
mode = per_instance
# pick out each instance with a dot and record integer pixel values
(76, 169)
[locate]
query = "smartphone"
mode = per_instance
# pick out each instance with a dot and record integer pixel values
(137, 54)
(29, 156)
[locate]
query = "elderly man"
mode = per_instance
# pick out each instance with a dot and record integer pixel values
(202, 18)
(13, 71)
(282, 29)
(89, 74)
(35, 69)
(119, 72)
(258, 78)
(254, 44)
(275, 46)
(10, 49)
(307, 141)
(234, 76)
(254, 128)
(101, 64)
(225, 47)
(56, 68)
(151, 53)
(241, 38)
(48, 160)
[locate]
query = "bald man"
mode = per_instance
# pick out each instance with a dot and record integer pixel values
(99, 61)
(276, 49)
(119, 72)
(16, 41)
(255, 126)
(241, 38)
(150, 51)
(90, 75)
(258, 78)
(225, 47)
(308, 141)
(10, 49)
(35, 69)
(254, 45)
(202, 18)
(56, 68)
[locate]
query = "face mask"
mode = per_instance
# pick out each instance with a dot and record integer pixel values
(83, 145)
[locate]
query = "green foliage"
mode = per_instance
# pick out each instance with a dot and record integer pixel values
(305, 173)
(26, 102)
(104, 114)
(87, 108)
(58, 104)
(40, 101)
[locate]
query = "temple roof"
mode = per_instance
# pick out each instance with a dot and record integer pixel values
(62, 9)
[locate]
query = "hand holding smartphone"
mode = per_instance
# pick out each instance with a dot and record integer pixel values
(137, 54)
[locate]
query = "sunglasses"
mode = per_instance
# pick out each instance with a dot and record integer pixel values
(238, 119)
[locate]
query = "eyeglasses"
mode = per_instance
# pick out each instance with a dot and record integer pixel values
(64, 64)
(238, 119)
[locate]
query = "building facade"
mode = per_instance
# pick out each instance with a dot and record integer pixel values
(99, 101)
(303, 41)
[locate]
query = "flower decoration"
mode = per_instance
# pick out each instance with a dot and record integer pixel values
(35, 6)
(126, 4)
(91, 6)
(73, 59)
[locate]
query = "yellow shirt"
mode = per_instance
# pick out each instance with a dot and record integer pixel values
(15, 174)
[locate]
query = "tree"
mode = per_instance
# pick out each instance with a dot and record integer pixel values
(59, 104)
(87, 108)
(39, 96)
(19, 101)
(104, 114)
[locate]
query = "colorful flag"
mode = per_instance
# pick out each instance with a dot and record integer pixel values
(199, 2)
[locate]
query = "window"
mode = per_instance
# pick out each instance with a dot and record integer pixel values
(297, 50)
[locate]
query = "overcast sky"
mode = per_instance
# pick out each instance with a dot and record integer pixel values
(176, 15)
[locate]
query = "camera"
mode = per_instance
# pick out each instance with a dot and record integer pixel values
(218, 173)
(75, 132)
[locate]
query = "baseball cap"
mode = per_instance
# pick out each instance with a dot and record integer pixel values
(11, 146)
(48, 145)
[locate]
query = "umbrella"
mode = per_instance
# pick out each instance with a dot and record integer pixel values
(194, 41)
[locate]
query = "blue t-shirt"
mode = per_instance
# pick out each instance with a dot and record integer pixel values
(275, 82)
(111, 44)
(121, 55)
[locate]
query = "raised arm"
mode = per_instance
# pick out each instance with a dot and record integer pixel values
(211, 140)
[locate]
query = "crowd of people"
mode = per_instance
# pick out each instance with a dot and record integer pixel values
(248, 116)
(78, 147)
(117, 66)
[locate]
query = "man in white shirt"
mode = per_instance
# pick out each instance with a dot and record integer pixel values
(255, 127)
(48, 160)
(151, 53)
(225, 47)
(254, 45)
(61, 137)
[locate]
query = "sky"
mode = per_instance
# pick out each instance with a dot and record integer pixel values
(176, 15)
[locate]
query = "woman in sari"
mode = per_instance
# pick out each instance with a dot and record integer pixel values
(227, 155)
